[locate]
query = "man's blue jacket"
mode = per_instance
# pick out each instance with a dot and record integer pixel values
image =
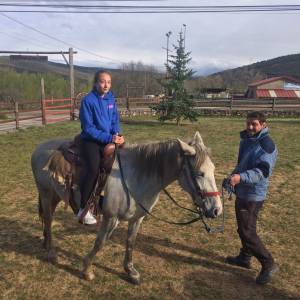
(256, 160)
(99, 117)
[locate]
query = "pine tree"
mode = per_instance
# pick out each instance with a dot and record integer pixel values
(177, 105)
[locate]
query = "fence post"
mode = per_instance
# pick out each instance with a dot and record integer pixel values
(43, 102)
(231, 104)
(17, 115)
(273, 105)
(127, 100)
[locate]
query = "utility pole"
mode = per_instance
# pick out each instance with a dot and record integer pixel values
(184, 33)
(168, 37)
(72, 85)
(43, 101)
(167, 64)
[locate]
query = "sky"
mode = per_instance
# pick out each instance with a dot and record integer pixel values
(217, 41)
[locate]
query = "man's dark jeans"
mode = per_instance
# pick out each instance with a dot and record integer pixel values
(246, 215)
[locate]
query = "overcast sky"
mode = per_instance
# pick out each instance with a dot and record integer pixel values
(216, 40)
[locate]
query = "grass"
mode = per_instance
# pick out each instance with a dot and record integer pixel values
(175, 262)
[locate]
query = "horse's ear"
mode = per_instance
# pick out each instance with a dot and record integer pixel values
(187, 149)
(198, 139)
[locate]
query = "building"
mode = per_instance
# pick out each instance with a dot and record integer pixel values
(214, 93)
(281, 87)
(26, 58)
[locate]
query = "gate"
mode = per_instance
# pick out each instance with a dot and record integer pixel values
(57, 110)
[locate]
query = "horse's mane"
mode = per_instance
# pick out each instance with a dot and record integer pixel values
(201, 154)
(152, 158)
(155, 158)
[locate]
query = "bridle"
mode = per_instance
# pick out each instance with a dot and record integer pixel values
(194, 175)
(190, 172)
(199, 210)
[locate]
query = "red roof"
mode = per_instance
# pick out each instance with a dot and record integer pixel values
(268, 80)
(280, 93)
(262, 93)
(285, 93)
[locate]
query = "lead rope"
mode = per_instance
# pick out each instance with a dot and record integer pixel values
(199, 212)
(145, 209)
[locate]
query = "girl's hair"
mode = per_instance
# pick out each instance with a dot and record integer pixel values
(98, 74)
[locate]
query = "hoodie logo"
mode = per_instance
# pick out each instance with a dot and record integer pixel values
(110, 106)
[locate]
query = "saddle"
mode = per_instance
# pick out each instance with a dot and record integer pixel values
(71, 153)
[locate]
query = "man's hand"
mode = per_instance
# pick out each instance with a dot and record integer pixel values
(235, 179)
(117, 139)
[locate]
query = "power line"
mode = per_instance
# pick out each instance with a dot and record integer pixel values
(18, 1)
(61, 41)
(72, 8)
(162, 7)
(28, 39)
(149, 12)
(39, 44)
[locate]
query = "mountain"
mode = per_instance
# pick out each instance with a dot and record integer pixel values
(31, 66)
(140, 76)
(134, 79)
(238, 79)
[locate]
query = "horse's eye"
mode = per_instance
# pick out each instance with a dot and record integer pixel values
(199, 174)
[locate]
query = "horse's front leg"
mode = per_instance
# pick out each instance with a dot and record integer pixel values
(133, 227)
(107, 227)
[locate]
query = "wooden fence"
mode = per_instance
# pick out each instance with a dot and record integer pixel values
(24, 114)
(14, 116)
(139, 106)
(56, 110)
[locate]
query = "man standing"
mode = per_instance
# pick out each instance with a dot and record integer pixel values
(250, 180)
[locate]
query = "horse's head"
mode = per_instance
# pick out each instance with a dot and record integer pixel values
(197, 177)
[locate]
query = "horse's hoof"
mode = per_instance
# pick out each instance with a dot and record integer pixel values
(89, 275)
(52, 258)
(136, 280)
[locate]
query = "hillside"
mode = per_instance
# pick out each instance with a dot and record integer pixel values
(144, 78)
(82, 73)
(238, 79)
(141, 79)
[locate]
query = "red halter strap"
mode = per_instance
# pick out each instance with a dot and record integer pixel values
(196, 186)
(210, 194)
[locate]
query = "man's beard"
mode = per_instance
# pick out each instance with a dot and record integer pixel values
(251, 133)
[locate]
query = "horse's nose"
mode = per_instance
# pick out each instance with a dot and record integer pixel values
(216, 212)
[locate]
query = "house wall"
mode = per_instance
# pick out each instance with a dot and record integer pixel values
(279, 84)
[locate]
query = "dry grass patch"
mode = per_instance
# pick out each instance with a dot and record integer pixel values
(175, 262)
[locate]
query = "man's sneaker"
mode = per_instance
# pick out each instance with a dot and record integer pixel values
(238, 261)
(266, 274)
(88, 219)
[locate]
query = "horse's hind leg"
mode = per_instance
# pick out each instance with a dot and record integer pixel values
(47, 205)
(107, 227)
(133, 274)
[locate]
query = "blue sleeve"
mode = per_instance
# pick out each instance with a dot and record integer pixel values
(115, 124)
(263, 168)
(235, 170)
(87, 124)
(251, 176)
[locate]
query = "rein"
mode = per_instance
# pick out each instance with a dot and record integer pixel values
(203, 195)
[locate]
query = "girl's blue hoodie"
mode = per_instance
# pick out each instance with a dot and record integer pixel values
(99, 117)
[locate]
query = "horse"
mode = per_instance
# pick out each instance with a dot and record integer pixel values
(132, 189)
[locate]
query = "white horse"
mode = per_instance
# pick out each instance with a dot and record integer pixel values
(147, 169)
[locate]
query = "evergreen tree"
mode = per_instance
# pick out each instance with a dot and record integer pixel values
(177, 105)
